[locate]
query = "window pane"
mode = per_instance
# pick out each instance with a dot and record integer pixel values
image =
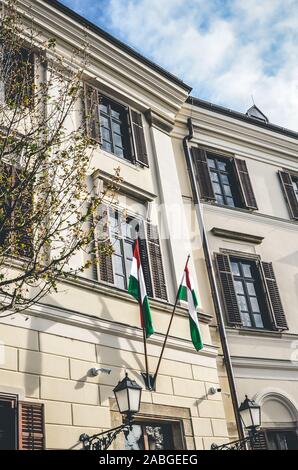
(103, 108)
(219, 199)
(120, 282)
(254, 304)
(235, 268)
(230, 202)
(105, 122)
(224, 179)
(246, 321)
(217, 188)
(128, 248)
(118, 140)
(116, 244)
(227, 190)
(119, 152)
(239, 287)
(106, 146)
(115, 114)
(211, 163)
(105, 134)
(221, 165)
(116, 127)
(258, 321)
(246, 270)
(214, 177)
(118, 265)
(251, 288)
(242, 303)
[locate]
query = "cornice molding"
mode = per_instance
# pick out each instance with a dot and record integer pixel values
(154, 119)
(264, 363)
(211, 128)
(130, 189)
(231, 235)
(116, 67)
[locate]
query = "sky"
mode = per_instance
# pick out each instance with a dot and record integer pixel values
(232, 52)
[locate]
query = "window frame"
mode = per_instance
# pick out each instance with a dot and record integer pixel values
(256, 280)
(127, 143)
(122, 238)
(231, 173)
(177, 431)
(13, 399)
(268, 431)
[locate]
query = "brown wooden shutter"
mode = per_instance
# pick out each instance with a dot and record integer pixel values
(141, 154)
(260, 441)
(92, 113)
(104, 246)
(157, 271)
(144, 259)
(246, 188)
(203, 174)
(31, 426)
(289, 193)
(228, 289)
(274, 299)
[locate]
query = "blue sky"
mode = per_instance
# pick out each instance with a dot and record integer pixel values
(227, 50)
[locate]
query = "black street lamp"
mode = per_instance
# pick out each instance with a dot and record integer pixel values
(128, 397)
(250, 414)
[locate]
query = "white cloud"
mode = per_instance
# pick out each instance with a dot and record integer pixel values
(227, 50)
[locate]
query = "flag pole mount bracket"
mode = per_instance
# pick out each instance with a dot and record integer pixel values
(148, 381)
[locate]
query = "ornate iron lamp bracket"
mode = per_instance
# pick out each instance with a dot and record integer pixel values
(247, 443)
(103, 440)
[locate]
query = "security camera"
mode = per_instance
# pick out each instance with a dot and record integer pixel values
(214, 390)
(95, 371)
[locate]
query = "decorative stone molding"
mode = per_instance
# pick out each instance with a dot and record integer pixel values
(231, 235)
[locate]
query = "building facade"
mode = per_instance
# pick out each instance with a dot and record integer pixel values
(48, 394)
(245, 171)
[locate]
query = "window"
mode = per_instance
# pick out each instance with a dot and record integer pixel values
(222, 180)
(289, 184)
(122, 239)
(8, 423)
(15, 212)
(150, 436)
(115, 127)
(17, 78)
(117, 231)
(282, 439)
(250, 301)
(250, 293)
(21, 424)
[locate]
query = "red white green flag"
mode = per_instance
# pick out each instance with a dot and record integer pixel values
(137, 288)
(187, 294)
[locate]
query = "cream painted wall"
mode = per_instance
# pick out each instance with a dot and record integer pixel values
(260, 361)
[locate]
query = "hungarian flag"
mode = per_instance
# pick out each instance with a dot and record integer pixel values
(187, 294)
(137, 288)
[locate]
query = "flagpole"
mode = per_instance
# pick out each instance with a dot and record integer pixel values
(146, 376)
(169, 328)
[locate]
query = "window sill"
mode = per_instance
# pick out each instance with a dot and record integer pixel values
(124, 161)
(242, 331)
